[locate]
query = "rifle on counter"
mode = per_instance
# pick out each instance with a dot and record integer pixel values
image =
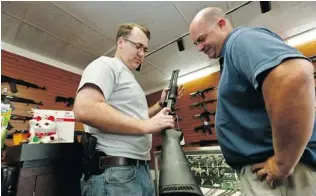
(68, 101)
(19, 99)
(205, 115)
(19, 117)
(13, 82)
(202, 104)
(205, 127)
(201, 92)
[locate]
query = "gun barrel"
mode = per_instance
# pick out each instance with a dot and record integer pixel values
(194, 105)
(210, 88)
(60, 99)
(173, 86)
(193, 94)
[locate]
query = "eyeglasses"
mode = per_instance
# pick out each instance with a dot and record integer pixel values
(138, 46)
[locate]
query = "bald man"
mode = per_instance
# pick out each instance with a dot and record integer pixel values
(265, 118)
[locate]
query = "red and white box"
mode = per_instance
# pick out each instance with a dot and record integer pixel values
(52, 126)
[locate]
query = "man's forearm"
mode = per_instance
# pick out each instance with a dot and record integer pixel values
(153, 110)
(291, 112)
(106, 118)
(291, 129)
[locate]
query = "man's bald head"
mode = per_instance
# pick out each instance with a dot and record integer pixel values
(209, 15)
(209, 29)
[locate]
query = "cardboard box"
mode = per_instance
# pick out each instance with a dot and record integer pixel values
(52, 126)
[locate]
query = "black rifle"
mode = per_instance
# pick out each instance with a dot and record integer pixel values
(19, 99)
(9, 127)
(205, 127)
(13, 82)
(202, 104)
(19, 117)
(68, 101)
(201, 92)
(205, 115)
(173, 177)
(171, 97)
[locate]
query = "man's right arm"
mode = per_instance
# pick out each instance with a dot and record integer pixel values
(91, 108)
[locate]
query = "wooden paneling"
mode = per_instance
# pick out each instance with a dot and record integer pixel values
(308, 49)
(57, 81)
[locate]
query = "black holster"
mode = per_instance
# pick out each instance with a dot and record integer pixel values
(9, 179)
(91, 157)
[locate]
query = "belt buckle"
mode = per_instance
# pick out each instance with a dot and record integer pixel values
(101, 166)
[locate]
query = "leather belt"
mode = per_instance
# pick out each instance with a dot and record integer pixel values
(119, 161)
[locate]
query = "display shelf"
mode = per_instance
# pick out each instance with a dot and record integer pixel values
(209, 169)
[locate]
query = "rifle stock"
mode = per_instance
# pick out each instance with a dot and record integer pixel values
(202, 104)
(205, 127)
(68, 101)
(205, 115)
(202, 92)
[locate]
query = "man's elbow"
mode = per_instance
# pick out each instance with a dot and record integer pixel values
(80, 111)
(300, 75)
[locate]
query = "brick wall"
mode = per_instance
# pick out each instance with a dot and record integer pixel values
(58, 82)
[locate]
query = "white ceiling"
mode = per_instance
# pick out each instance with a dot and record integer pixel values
(76, 33)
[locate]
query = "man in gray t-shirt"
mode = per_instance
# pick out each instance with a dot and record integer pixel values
(113, 108)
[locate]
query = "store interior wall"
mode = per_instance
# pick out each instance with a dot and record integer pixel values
(58, 82)
(63, 83)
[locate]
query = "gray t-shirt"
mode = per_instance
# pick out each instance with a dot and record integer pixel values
(122, 92)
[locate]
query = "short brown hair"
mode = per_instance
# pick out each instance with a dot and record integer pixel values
(126, 28)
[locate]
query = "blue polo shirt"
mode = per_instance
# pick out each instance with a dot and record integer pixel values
(242, 123)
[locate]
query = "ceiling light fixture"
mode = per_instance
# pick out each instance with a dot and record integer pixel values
(302, 38)
(265, 6)
(180, 45)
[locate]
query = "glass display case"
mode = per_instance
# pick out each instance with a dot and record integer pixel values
(210, 170)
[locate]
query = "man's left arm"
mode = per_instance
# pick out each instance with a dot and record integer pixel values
(285, 78)
(289, 95)
(153, 110)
